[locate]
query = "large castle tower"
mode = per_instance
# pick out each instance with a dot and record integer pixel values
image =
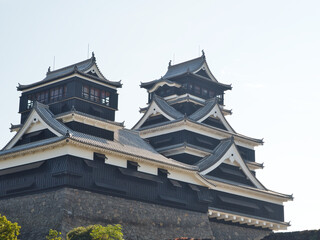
(186, 121)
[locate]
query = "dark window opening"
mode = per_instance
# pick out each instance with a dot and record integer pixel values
(35, 136)
(132, 165)
(214, 123)
(95, 131)
(98, 157)
(163, 172)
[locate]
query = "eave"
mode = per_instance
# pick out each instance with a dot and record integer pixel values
(68, 75)
(251, 192)
(89, 119)
(186, 124)
(151, 84)
(234, 217)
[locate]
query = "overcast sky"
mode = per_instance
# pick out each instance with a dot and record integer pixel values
(268, 50)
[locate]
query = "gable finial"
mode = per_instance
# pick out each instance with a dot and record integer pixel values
(49, 70)
(203, 55)
(68, 133)
(169, 64)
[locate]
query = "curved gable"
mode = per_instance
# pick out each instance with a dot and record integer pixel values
(211, 109)
(38, 120)
(227, 153)
(159, 106)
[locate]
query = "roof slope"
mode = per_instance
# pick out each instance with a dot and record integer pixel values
(164, 106)
(201, 112)
(227, 149)
(188, 66)
(80, 67)
(191, 67)
(126, 141)
(216, 154)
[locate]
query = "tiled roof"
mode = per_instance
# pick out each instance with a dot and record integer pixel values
(188, 66)
(201, 112)
(48, 117)
(187, 98)
(126, 141)
(79, 67)
(167, 108)
(32, 145)
(74, 111)
(183, 144)
(216, 155)
(146, 84)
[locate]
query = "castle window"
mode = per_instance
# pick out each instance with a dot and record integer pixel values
(211, 93)
(30, 103)
(197, 89)
(96, 95)
(56, 94)
(105, 97)
(204, 92)
(85, 92)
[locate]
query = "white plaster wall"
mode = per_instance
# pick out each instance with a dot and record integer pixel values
(148, 168)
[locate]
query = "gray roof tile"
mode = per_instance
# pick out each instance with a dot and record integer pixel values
(167, 108)
(184, 67)
(216, 155)
(201, 112)
(32, 145)
(79, 67)
(126, 141)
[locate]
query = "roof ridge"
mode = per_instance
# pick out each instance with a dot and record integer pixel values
(202, 110)
(157, 98)
(92, 59)
(170, 66)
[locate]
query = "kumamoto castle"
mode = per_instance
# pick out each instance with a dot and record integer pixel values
(181, 171)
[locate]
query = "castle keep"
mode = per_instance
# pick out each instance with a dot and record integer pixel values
(182, 171)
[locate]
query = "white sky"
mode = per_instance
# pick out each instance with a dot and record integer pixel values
(269, 51)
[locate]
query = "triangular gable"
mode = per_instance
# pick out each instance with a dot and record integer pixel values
(230, 155)
(94, 70)
(36, 121)
(205, 68)
(159, 106)
(211, 109)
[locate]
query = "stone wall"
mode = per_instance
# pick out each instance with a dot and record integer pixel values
(225, 231)
(66, 208)
(302, 235)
